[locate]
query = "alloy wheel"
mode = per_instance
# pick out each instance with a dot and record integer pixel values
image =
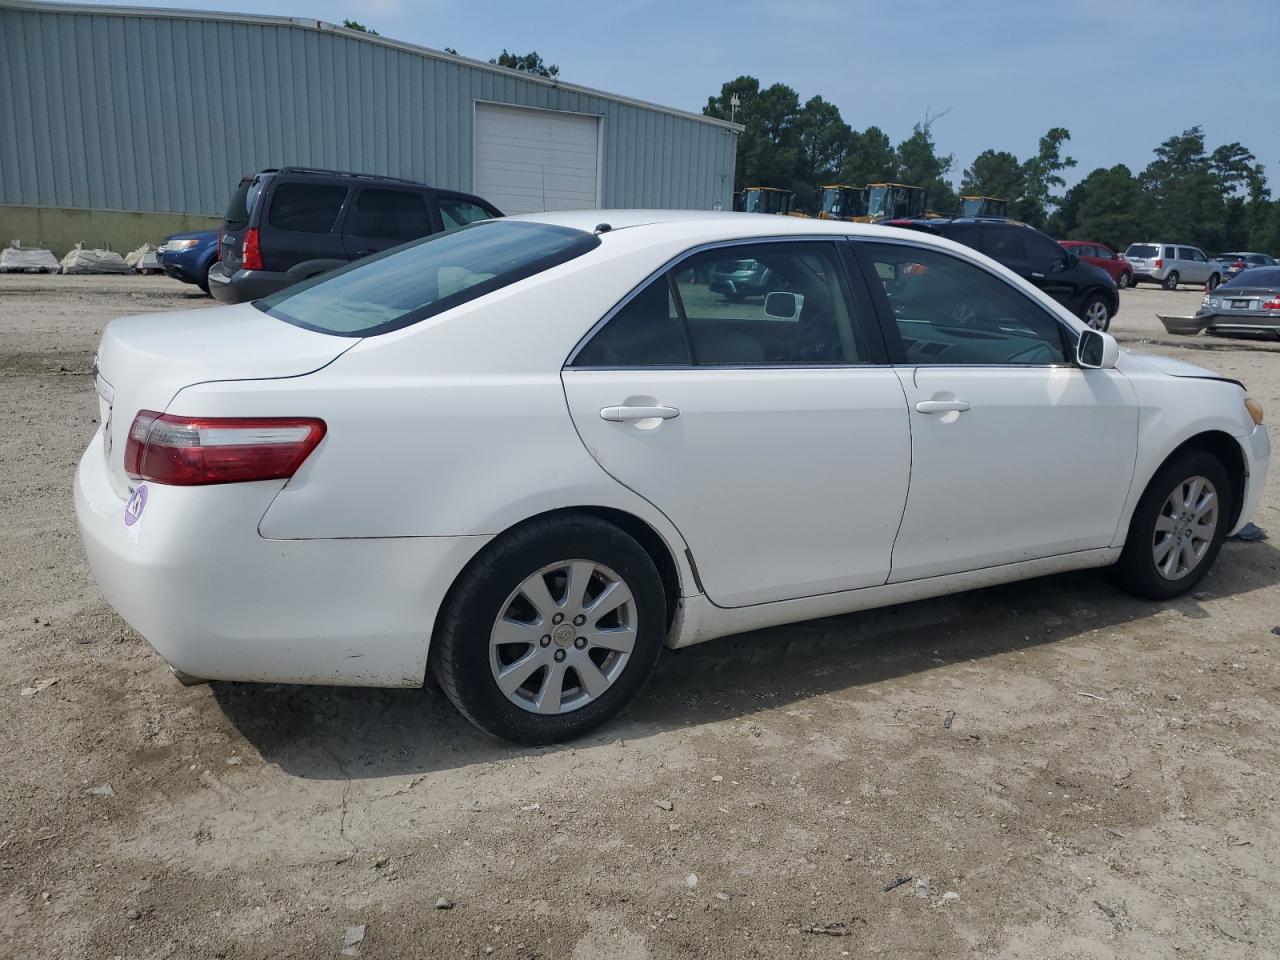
(1096, 315)
(1123, 281)
(1185, 528)
(563, 637)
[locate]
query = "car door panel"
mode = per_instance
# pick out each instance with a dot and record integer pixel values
(1038, 465)
(785, 482)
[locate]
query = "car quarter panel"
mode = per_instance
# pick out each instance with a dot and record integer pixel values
(1173, 410)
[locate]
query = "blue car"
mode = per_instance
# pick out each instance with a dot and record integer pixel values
(188, 256)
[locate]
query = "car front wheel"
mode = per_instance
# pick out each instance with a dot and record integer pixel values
(1177, 528)
(1171, 281)
(1214, 282)
(551, 630)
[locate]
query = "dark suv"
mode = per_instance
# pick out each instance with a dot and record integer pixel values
(1084, 289)
(286, 225)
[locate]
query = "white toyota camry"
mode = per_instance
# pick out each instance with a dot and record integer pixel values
(526, 454)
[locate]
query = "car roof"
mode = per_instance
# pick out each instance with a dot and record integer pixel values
(678, 222)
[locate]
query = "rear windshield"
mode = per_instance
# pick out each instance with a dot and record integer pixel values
(409, 283)
(1142, 251)
(242, 203)
(1268, 277)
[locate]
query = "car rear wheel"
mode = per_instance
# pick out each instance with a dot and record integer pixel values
(1171, 281)
(551, 630)
(1095, 313)
(1177, 528)
(1124, 280)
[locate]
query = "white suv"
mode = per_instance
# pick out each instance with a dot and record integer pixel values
(1170, 264)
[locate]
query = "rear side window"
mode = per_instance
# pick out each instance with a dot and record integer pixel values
(458, 213)
(1170, 253)
(306, 207)
(409, 283)
(243, 200)
(647, 332)
(390, 214)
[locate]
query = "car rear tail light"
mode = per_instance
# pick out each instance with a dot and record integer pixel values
(189, 451)
(1159, 264)
(1272, 304)
(217, 253)
(251, 252)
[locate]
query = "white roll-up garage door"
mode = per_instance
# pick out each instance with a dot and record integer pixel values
(527, 161)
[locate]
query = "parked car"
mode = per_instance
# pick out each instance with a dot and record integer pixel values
(1084, 289)
(189, 256)
(738, 279)
(522, 456)
(1249, 303)
(1233, 263)
(1170, 264)
(1103, 257)
(288, 225)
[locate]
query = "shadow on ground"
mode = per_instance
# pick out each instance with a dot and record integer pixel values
(335, 732)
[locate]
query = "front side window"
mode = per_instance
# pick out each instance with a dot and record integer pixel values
(458, 213)
(409, 283)
(948, 311)
(759, 304)
(390, 215)
(306, 207)
(1006, 245)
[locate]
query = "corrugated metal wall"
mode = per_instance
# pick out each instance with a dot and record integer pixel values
(165, 113)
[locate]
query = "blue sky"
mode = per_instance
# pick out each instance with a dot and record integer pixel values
(1120, 75)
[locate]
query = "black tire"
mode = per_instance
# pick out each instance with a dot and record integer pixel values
(1171, 281)
(1214, 282)
(203, 282)
(460, 658)
(1136, 570)
(1091, 302)
(1125, 281)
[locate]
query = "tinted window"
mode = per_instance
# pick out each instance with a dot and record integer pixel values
(458, 213)
(1142, 251)
(306, 207)
(242, 203)
(410, 283)
(769, 303)
(1042, 251)
(1187, 253)
(647, 332)
(1005, 244)
(390, 214)
(949, 311)
(1170, 253)
(970, 234)
(1256, 277)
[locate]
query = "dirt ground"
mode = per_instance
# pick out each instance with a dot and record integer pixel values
(1107, 788)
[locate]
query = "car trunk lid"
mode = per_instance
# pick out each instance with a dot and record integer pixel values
(144, 361)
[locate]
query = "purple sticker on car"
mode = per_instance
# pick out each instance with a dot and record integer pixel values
(137, 503)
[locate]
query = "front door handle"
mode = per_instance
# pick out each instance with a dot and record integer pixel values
(942, 406)
(1036, 276)
(622, 414)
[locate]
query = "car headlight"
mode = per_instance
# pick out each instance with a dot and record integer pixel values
(1255, 410)
(173, 246)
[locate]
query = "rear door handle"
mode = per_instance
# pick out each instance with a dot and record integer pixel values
(621, 414)
(942, 406)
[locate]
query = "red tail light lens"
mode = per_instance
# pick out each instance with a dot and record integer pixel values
(1271, 304)
(251, 252)
(190, 451)
(1159, 264)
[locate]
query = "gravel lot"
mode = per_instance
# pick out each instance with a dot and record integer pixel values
(1108, 786)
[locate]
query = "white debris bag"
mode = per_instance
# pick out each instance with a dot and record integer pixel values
(136, 258)
(16, 260)
(81, 260)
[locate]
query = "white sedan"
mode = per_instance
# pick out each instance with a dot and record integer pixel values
(526, 454)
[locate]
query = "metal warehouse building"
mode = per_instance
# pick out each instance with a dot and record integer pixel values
(122, 124)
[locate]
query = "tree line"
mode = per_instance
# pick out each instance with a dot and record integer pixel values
(1217, 199)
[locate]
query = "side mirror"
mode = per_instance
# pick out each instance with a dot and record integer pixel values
(783, 306)
(1097, 350)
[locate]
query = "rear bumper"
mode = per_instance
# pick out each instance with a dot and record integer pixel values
(218, 601)
(244, 285)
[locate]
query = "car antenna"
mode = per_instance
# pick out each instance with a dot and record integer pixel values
(603, 228)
